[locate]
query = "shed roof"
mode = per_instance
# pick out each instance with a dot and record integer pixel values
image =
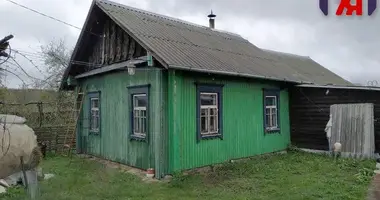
(310, 69)
(183, 45)
(351, 87)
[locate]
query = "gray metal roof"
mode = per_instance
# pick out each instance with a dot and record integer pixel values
(308, 68)
(183, 45)
(353, 87)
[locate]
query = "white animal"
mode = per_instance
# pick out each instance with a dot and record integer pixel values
(337, 147)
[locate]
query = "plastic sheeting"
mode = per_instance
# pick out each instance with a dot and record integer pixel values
(17, 140)
(328, 131)
(12, 119)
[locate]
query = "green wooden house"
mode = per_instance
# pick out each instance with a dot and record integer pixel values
(167, 94)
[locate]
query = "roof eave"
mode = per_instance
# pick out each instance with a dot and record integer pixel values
(63, 84)
(339, 87)
(236, 74)
(112, 67)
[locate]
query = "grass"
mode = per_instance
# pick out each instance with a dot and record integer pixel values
(295, 175)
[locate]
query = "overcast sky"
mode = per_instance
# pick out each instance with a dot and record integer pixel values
(349, 46)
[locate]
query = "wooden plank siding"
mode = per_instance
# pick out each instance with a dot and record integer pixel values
(242, 117)
(116, 45)
(310, 110)
(114, 140)
(353, 127)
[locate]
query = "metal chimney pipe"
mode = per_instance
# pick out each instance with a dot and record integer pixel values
(211, 20)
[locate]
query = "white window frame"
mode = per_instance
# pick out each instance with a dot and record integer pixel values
(141, 119)
(92, 111)
(271, 126)
(208, 117)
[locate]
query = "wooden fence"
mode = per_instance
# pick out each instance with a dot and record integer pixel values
(353, 127)
(54, 136)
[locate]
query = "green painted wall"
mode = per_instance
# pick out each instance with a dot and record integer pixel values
(242, 122)
(172, 143)
(114, 142)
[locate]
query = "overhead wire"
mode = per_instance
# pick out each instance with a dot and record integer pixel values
(62, 60)
(50, 17)
(76, 62)
(32, 54)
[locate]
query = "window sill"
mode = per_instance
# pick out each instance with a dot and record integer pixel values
(213, 136)
(138, 138)
(275, 130)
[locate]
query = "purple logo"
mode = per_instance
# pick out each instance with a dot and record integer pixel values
(347, 8)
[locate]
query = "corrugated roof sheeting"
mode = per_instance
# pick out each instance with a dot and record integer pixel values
(309, 69)
(185, 45)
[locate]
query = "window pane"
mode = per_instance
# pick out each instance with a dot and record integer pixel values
(139, 124)
(94, 103)
(213, 111)
(213, 124)
(93, 122)
(267, 120)
(267, 111)
(135, 124)
(270, 101)
(204, 111)
(274, 118)
(208, 99)
(142, 125)
(140, 100)
(204, 125)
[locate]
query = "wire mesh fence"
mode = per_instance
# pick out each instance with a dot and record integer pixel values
(53, 121)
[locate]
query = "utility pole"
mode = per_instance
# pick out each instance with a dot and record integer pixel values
(4, 45)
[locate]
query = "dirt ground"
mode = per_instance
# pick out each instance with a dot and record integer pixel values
(374, 191)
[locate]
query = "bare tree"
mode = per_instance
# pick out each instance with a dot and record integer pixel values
(56, 58)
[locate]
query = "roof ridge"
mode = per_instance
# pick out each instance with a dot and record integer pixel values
(285, 53)
(165, 17)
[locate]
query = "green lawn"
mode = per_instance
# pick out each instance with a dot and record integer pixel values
(292, 176)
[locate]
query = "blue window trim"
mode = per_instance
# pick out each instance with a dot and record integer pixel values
(132, 90)
(272, 92)
(95, 94)
(215, 88)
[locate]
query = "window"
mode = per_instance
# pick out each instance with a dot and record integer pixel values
(139, 114)
(271, 110)
(209, 102)
(94, 112)
(139, 109)
(209, 113)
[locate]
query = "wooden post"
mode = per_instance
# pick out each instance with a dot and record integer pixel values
(24, 172)
(56, 142)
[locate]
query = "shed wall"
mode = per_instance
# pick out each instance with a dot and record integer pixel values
(243, 131)
(310, 109)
